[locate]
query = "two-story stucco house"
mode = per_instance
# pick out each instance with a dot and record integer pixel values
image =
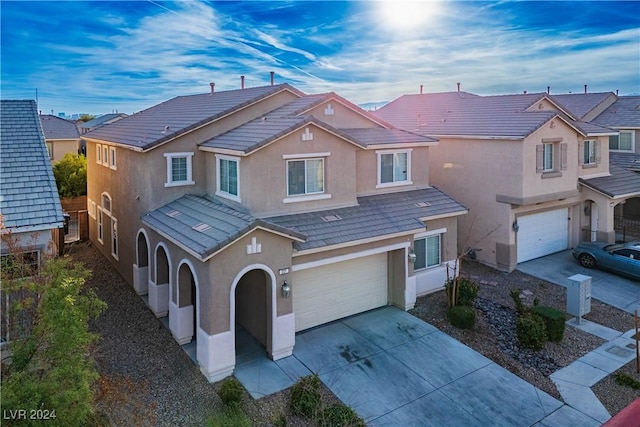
(61, 136)
(30, 210)
(269, 210)
(521, 164)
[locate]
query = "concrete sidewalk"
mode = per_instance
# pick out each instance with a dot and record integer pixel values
(614, 290)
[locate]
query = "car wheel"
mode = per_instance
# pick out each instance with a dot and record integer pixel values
(587, 260)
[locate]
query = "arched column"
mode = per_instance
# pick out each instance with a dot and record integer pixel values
(141, 267)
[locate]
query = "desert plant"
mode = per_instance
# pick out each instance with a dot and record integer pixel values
(462, 316)
(305, 397)
(531, 330)
(627, 380)
(229, 416)
(280, 420)
(554, 320)
(340, 415)
(231, 392)
(515, 296)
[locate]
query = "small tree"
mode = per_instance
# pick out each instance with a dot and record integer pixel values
(71, 175)
(87, 117)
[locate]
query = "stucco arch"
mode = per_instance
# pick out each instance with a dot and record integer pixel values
(141, 266)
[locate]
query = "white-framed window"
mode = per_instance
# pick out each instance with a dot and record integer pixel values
(92, 210)
(547, 157)
(394, 167)
(551, 158)
(305, 176)
(625, 141)
(114, 238)
(589, 152)
(428, 252)
(112, 158)
(50, 149)
(228, 182)
(105, 155)
(21, 264)
(106, 203)
(100, 226)
(179, 169)
(99, 154)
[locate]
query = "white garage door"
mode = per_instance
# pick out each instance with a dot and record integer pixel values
(542, 234)
(337, 290)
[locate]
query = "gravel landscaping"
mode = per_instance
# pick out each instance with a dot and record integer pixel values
(147, 380)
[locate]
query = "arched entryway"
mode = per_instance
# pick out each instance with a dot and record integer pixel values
(159, 289)
(141, 267)
(183, 318)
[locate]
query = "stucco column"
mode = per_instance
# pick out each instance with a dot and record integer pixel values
(140, 279)
(159, 298)
(216, 354)
(181, 322)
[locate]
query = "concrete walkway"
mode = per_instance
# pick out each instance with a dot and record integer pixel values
(575, 380)
(394, 369)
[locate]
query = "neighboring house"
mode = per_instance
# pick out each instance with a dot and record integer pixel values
(100, 121)
(522, 164)
(29, 202)
(269, 210)
(61, 136)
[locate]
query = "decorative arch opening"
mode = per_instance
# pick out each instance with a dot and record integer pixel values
(159, 290)
(187, 303)
(141, 267)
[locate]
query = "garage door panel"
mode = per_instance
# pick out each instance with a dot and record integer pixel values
(338, 290)
(542, 234)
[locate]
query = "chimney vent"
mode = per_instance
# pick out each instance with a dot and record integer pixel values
(213, 87)
(272, 74)
(616, 92)
(585, 88)
(525, 92)
(548, 90)
(421, 89)
(241, 82)
(458, 86)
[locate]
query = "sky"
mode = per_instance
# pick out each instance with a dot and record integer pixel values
(99, 57)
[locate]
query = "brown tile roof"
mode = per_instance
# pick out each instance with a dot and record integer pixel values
(58, 128)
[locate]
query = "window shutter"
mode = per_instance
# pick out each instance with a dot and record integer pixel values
(597, 150)
(581, 153)
(539, 154)
(563, 157)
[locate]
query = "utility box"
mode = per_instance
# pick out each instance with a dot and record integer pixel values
(579, 295)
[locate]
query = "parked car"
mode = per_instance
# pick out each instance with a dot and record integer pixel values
(623, 258)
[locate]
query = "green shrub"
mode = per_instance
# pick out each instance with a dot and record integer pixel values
(462, 316)
(339, 415)
(231, 392)
(280, 420)
(627, 380)
(515, 296)
(466, 293)
(531, 330)
(305, 397)
(229, 416)
(554, 319)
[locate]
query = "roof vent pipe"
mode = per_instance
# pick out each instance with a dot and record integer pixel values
(458, 86)
(272, 74)
(421, 89)
(241, 82)
(213, 87)
(616, 92)
(525, 92)
(585, 88)
(548, 90)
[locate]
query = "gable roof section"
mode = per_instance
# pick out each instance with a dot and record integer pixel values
(58, 128)
(220, 223)
(170, 119)
(102, 120)
(579, 104)
(29, 199)
(621, 183)
(624, 113)
(375, 217)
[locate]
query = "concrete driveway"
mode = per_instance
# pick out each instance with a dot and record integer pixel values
(394, 369)
(606, 287)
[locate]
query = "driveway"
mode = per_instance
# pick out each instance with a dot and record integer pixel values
(394, 369)
(608, 288)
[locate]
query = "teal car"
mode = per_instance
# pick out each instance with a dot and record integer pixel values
(622, 259)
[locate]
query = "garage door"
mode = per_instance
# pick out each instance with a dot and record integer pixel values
(337, 290)
(542, 234)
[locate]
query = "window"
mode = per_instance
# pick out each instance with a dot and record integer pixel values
(21, 264)
(427, 250)
(394, 168)
(228, 179)
(99, 153)
(50, 149)
(106, 202)
(547, 157)
(112, 158)
(589, 152)
(305, 177)
(100, 227)
(114, 238)
(179, 169)
(551, 158)
(623, 142)
(105, 155)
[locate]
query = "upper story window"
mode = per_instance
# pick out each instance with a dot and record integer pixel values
(105, 155)
(179, 169)
(106, 203)
(112, 158)
(427, 250)
(623, 142)
(589, 153)
(551, 158)
(50, 150)
(99, 154)
(228, 177)
(394, 168)
(305, 177)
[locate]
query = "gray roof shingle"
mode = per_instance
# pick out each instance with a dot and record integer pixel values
(102, 120)
(579, 104)
(621, 182)
(624, 113)
(29, 199)
(148, 128)
(58, 128)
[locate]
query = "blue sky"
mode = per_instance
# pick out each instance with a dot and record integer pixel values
(96, 57)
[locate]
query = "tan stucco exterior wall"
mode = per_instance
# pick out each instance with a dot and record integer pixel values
(63, 146)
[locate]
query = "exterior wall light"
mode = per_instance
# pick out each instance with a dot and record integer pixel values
(412, 256)
(515, 226)
(286, 289)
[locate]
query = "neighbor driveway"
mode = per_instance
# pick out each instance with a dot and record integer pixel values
(394, 369)
(606, 287)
